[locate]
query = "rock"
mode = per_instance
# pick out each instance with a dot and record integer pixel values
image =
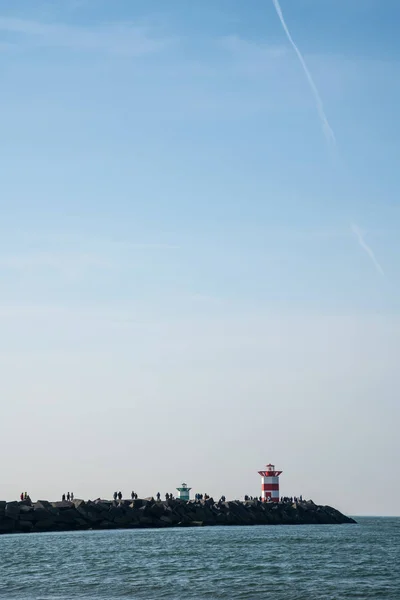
(40, 514)
(63, 505)
(25, 526)
(26, 508)
(45, 525)
(145, 521)
(114, 513)
(104, 514)
(12, 510)
(157, 509)
(166, 519)
(42, 504)
(105, 525)
(7, 525)
(99, 507)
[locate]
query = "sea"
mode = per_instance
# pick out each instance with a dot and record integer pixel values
(308, 562)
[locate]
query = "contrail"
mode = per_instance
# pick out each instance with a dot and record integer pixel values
(327, 129)
(357, 232)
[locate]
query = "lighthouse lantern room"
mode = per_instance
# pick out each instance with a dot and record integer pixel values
(270, 484)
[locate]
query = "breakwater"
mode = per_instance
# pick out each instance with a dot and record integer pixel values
(42, 516)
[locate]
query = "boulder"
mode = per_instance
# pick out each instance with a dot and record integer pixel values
(114, 513)
(99, 507)
(157, 509)
(45, 525)
(40, 514)
(138, 503)
(26, 508)
(105, 514)
(166, 520)
(145, 521)
(7, 525)
(67, 516)
(12, 510)
(105, 525)
(63, 505)
(124, 520)
(43, 504)
(25, 526)
(89, 513)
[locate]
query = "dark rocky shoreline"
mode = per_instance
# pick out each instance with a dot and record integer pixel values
(43, 516)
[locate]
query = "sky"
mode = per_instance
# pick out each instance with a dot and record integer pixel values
(195, 278)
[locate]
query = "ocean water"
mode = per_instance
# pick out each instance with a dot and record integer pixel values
(282, 563)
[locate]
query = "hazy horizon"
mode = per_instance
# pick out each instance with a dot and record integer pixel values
(198, 249)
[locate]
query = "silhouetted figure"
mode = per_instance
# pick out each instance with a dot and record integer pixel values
(68, 496)
(72, 496)
(115, 495)
(63, 497)
(119, 495)
(133, 495)
(158, 496)
(167, 496)
(22, 496)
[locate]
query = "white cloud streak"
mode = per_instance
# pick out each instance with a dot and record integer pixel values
(49, 260)
(360, 238)
(118, 38)
(327, 129)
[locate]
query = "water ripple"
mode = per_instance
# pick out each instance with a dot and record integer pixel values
(235, 563)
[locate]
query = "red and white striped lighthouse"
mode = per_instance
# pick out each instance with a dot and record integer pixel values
(270, 484)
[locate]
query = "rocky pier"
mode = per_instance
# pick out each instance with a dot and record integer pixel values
(78, 515)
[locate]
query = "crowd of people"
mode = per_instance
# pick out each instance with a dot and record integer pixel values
(67, 497)
(198, 497)
(291, 499)
(118, 496)
(283, 499)
(167, 496)
(201, 497)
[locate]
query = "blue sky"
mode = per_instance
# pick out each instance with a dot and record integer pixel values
(167, 190)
